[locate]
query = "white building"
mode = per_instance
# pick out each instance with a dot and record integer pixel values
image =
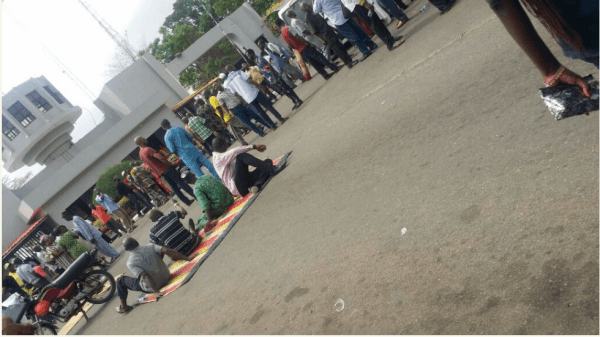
(37, 121)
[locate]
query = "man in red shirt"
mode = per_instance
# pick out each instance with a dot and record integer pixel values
(99, 212)
(160, 167)
(308, 52)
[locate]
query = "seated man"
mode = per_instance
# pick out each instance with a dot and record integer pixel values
(169, 232)
(214, 200)
(232, 167)
(27, 274)
(150, 271)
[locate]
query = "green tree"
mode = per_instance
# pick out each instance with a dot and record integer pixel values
(226, 7)
(189, 77)
(189, 12)
(105, 182)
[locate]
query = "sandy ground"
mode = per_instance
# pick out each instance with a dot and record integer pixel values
(445, 137)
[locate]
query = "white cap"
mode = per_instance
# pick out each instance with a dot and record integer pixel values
(222, 76)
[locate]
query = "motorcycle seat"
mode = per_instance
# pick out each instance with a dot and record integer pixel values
(74, 270)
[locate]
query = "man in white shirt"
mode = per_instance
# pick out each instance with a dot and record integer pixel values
(233, 167)
(241, 83)
(333, 11)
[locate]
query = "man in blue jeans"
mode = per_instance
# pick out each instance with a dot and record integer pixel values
(181, 143)
(241, 83)
(333, 11)
(160, 167)
(232, 102)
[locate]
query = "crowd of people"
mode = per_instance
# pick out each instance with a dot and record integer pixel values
(236, 104)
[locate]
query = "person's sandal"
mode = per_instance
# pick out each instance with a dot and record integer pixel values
(253, 189)
(124, 311)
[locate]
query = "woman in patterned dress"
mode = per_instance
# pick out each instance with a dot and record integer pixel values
(145, 180)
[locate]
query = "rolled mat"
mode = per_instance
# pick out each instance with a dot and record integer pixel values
(183, 271)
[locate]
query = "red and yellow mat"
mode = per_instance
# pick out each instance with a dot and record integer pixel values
(182, 271)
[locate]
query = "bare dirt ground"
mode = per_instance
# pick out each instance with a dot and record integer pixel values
(446, 137)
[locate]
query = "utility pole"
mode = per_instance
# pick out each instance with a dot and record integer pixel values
(121, 42)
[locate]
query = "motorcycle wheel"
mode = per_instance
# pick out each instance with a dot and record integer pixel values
(106, 286)
(45, 329)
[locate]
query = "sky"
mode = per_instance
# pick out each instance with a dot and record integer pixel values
(69, 32)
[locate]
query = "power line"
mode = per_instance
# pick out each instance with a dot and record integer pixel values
(55, 59)
(119, 40)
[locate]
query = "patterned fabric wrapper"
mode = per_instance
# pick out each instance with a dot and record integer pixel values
(565, 100)
(303, 66)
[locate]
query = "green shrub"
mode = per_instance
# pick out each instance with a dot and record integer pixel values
(105, 182)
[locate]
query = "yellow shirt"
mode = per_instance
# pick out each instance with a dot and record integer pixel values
(20, 282)
(214, 102)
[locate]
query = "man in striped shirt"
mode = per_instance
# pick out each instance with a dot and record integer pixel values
(168, 231)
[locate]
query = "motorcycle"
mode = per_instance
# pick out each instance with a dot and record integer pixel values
(82, 282)
(21, 310)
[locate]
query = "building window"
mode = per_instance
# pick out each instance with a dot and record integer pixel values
(8, 129)
(55, 94)
(39, 101)
(20, 112)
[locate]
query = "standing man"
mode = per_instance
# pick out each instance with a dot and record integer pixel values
(300, 29)
(160, 167)
(315, 58)
(126, 191)
(241, 83)
(181, 143)
(113, 208)
(149, 270)
(235, 125)
(367, 11)
(293, 72)
(231, 102)
(91, 234)
(318, 26)
(396, 12)
(213, 122)
(99, 212)
(274, 78)
(350, 29)
(201, 134)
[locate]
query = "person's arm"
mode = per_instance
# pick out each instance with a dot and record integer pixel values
(158, 156)
(175, 256)
(515, 20)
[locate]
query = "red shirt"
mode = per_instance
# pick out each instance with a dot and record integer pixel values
(155, 166)
(292, 41)
(100, 213)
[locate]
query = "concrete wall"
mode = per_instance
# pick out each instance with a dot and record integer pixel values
(12, 224)
(243, 27)
(146, 92)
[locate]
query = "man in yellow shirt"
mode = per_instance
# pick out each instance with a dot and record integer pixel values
(232, 122)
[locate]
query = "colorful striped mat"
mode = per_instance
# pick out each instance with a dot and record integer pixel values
(182, 271)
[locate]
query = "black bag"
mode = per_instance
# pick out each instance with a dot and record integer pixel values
(565, 100)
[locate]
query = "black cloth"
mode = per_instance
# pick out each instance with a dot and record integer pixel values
(123, 189)
(174, 179)
(126, 283)
(378, 26)
(441, 5)
(115, 227)
(244, 179)
(401, 4)
(11, 286)
(321, 28)
(318, 61)
(339, 50)
(169, 231)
